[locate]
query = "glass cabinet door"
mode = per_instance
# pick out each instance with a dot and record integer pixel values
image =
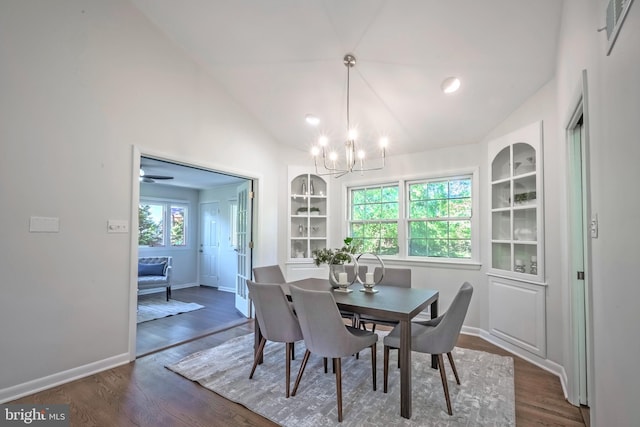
(515, 209)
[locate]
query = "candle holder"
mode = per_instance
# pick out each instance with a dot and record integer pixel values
(369, 283)
(338, 276)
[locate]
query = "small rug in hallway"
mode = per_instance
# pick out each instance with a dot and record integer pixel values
(156, 308)
(484, 398)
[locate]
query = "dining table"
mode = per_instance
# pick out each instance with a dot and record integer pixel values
(389, 302)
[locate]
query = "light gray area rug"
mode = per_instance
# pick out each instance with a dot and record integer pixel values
(484, 398)
(156, 308)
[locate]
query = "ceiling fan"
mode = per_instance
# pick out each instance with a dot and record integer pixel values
(152, 178)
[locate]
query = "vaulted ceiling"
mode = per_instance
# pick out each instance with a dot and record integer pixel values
(283, 59)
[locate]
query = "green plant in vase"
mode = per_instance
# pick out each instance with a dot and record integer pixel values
(339, 255)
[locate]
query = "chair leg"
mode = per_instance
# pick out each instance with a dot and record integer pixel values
(386, 368)
(373, 365)
(288, 355)
(299, 377)
(337, 362)
(324, 360)
(445, 386)
(256, 358)
(453, 366)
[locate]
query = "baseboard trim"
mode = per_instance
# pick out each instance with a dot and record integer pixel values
(546, 364)
(30, 387)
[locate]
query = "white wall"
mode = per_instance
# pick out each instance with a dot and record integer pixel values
(81, 83)
(614, 108)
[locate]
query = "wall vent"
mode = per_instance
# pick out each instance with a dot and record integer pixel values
(616, 12)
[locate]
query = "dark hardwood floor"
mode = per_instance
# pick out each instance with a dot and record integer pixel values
(218, 313)
(145, 393)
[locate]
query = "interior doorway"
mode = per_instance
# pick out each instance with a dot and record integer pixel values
(195, 241)
(582, 227)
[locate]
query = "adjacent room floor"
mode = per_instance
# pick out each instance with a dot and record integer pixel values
(218, 313)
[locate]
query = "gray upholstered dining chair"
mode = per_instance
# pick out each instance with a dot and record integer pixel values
(276, 320)
(268, 274)
(437, 336)
(400, 277)
(351, 271)
(326, 335)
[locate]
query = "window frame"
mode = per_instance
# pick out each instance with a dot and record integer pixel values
(409, 220)
(372, 186)
(167, 204)
(403, 220)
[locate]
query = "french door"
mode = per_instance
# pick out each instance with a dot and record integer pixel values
(244, 246)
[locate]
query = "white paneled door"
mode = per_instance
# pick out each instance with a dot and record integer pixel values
(209, 244)
(244, 247)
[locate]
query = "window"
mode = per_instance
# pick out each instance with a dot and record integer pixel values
(160, 222)
(418, 219)
(374, 218)
(439, 218)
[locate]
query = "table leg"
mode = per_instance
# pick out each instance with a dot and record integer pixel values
(405, 368)
(434, 314)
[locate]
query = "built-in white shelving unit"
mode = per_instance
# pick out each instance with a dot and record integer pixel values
(517, 285)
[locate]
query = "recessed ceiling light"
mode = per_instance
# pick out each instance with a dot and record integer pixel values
(450, 84)
(312, 120)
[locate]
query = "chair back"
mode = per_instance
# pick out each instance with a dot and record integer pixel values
(274, 314)
(268, 274)
(400, 277)
(350, 270)
(324, 332)
(443, 337)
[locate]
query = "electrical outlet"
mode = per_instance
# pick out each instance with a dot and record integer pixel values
(594, 226)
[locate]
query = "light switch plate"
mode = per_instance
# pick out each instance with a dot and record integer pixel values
(117, 226)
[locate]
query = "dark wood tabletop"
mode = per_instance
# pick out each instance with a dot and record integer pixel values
(390, 302)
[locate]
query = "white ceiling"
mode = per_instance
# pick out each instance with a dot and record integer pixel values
(184, 176)
(282, 59)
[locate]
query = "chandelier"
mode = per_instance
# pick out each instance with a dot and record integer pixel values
(354, 155)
